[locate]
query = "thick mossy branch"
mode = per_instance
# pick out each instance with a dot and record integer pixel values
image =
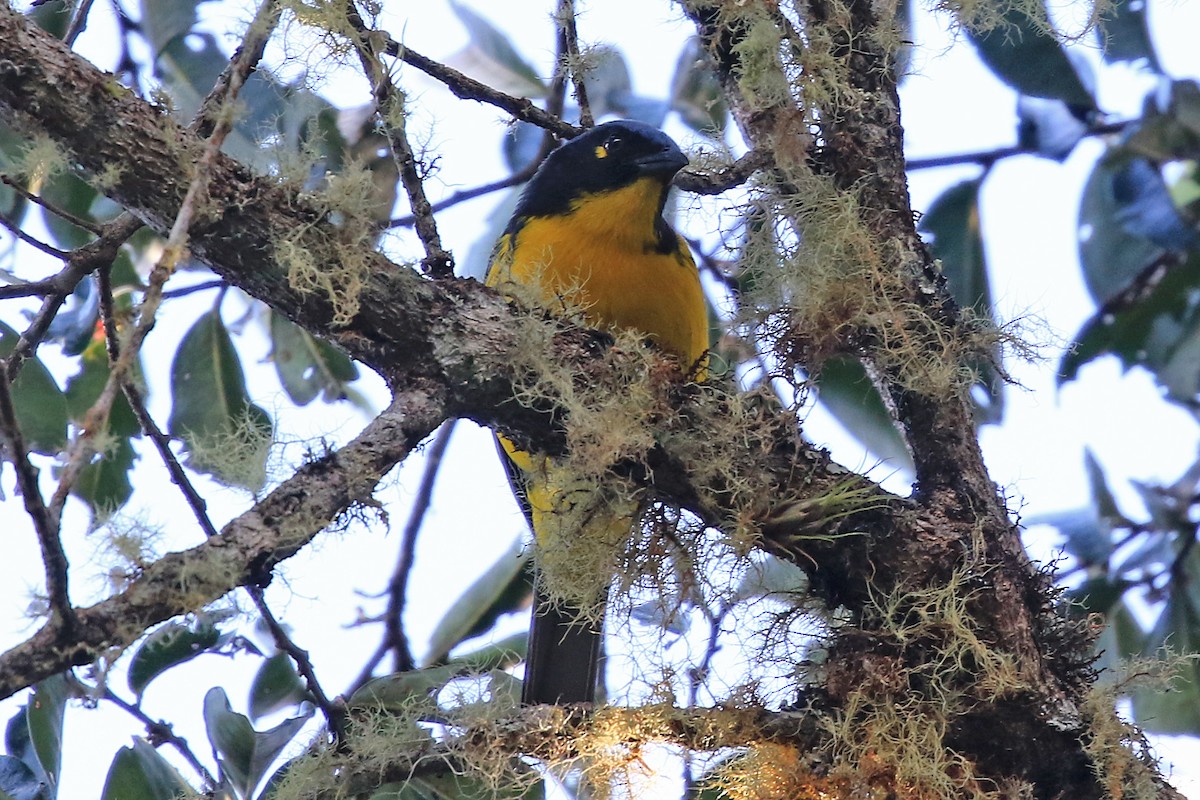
(1008, 671)
(845, 273)
(385, 748)
(457, 337)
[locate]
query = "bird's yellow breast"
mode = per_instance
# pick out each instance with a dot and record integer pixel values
(606, 256)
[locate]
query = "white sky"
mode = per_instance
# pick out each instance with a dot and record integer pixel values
(951, 104)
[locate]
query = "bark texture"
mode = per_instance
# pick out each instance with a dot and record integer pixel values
(447, 348)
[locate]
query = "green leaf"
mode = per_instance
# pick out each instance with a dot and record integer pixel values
(1146, 329)
(308, 366)
(189, 72)
(1180, 376)
(39, 404)
(1102, 496)
(19, 745)
(85, 386)
(1025, 56)
(104, 484)
(1176, 710)
(1121, 639)
(952, 223)
(504, 587)
(1170, 126)
(844, 388)
(169, 646)
(140, 773)
(53, 16)
(492, 58)
(609, 88)
(12, 205)
(409, 692)
(18, 781)
(696, 93)
(276, 685)
(245, 754)
(72, 194)
(503, 654)
(227, 436)
(164, 21)
(1125, 36)
(1098, 595)
(45, 714)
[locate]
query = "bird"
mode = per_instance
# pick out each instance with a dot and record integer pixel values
(589, 226)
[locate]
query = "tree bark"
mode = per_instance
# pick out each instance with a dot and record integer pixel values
(451, 348)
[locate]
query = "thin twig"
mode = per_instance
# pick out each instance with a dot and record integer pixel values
(243, 62)
(470, 89)
(45, 522)
(986, 158)
(556, 94)
(82, 261)
(697, 676)
(32, 241)
(184, 291)
(438, 261)
(398, 585)
(724, 179)
(162, 442)
(160, 731)
(28, 289)
(33, 335)
(568, 50)
(96, 417)
(463, 195)
(79, 222)
(334, 710)
(78, 22)
(368, 670)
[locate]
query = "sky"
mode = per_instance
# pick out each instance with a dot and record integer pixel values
(950, 103)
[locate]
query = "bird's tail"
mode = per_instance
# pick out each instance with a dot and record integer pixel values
(563, 660)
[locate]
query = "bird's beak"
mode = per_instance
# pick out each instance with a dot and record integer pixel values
(666, 162)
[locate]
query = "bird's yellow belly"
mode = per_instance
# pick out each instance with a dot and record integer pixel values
(615, 285)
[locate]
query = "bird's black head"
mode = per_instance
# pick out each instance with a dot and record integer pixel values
(607, 157)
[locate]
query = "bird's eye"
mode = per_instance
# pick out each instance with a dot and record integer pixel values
(612, 144)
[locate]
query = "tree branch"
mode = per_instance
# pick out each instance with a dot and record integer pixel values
(470, 89)
(246, 550)
(404, 321)
(438, 261)
(398, 585)
(554, 734)
(54, 558)
(570, 60)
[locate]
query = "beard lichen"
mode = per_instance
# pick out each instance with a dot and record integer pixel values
(338, 269)
(1122, 758)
